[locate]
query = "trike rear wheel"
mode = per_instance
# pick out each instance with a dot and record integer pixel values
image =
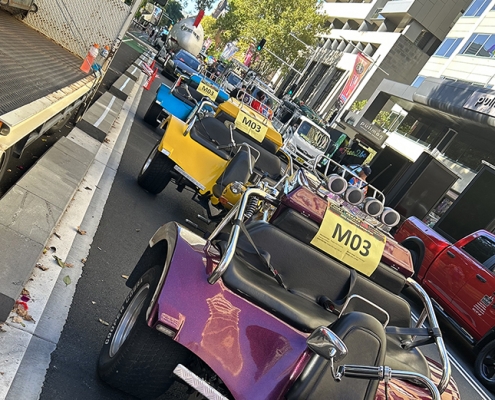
(136, 358)
(156, 172)
(152, 114)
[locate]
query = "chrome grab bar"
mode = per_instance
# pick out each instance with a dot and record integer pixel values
(375, 193)
(433, 322)
(191, 120)
(238, 210)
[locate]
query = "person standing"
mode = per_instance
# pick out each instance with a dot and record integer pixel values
(361, 183)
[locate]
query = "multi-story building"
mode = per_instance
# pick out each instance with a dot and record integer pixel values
(468, 52)
(399, 36)
(449, 110)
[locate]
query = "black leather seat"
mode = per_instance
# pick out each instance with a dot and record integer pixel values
(365, 340)
(211, 133)
(183, 96)
(309, 274)
(237, 171)
(303, 229)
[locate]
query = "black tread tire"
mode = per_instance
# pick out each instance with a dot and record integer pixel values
(480, 369)
(152, 114)
(4, 161)
(143, 365)
(156, 172)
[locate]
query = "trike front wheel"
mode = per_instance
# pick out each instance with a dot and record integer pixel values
(136, 358)
(156, 172)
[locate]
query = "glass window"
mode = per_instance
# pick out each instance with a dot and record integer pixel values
(418, 81)
(488, 48)
(447, 43)
(448, 46)
(475, 44)
(476, 8)
(454, 47)
(481, 249)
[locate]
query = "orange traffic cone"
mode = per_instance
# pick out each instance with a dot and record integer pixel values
(90, 58)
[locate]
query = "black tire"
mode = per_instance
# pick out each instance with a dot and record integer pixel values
(152, 114)
(484, 366)
(4, 162)
(156, 172)
(136, 358)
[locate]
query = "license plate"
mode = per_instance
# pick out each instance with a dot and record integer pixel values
(300, 160)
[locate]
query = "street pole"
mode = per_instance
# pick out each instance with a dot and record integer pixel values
(282, 61)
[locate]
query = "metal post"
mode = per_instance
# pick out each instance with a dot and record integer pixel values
(282, 61)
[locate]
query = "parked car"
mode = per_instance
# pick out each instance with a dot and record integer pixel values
(460, 278)
(181, 63)
(232, 81)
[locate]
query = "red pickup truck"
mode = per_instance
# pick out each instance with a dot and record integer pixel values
(460, 278)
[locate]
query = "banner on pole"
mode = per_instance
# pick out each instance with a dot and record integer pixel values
(361, 66)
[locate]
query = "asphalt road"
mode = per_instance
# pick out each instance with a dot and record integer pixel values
(130, 218)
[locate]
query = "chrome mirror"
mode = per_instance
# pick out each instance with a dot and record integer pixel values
(327, 344)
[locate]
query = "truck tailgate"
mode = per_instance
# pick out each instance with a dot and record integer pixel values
(31, 65)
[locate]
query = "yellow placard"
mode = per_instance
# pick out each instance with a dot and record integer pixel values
(251, 126)
(342, 236)
(207, 90)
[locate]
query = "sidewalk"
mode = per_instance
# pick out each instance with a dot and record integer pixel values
(39, 219)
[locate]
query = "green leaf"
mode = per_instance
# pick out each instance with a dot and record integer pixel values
(67, 280)
(60, 262)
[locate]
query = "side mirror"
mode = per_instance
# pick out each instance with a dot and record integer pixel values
(326, 344)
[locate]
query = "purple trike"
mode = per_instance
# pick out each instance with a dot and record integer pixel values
(255, 311)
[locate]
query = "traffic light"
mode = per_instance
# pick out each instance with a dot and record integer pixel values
(261, 44)
(292, 89)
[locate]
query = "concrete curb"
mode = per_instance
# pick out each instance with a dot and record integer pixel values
(31, 209)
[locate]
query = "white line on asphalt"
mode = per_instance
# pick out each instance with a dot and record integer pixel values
(25, 365)
(480, 390)
(105, 113)
(125, 84)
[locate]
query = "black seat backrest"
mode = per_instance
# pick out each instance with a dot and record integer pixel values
(366, 343)
(304, 229)
(267, 144)
(211, 133)
(182, 95)
(311, 274)
(237, 171)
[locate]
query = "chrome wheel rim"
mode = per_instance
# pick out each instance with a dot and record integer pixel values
(128, 320)
(150, 158)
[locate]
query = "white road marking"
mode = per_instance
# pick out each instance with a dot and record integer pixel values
(125, 83)
(105, 113)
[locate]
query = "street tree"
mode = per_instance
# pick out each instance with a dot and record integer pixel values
(248, 22)
(174, 10)
(203, 4)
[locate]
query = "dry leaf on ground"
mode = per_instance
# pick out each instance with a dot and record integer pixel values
(88, 188)
(17, 320)
(25, 292)
(1, 328)
(80, 231)
(41, 266)
(22, 312)
(67, 280)
(125, 276)
(83, 260)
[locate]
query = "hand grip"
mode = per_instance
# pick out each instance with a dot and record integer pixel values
(480, 278)
(450, 254)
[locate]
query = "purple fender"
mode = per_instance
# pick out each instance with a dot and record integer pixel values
(256, 355)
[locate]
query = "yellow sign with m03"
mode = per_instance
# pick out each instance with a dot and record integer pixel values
(341, 237)
(208, 91)
(251, 126)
